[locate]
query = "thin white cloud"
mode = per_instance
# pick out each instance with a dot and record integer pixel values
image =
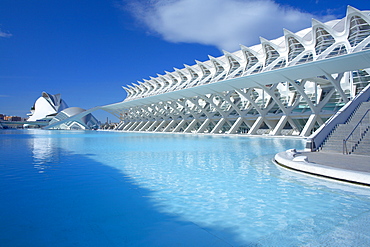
(222, 23)
(5, 35)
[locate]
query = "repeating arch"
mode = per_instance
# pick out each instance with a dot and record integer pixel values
(256, 90)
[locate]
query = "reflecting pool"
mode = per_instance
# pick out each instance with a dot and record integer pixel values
(95, 188)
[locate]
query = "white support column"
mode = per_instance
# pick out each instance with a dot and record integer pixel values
(236, 125)
(280, 125)
(292, 123)
(190, 126)
(169, 126)
(319, 120)
(204, 125)
(178, 127)
(133, 126)
(309, 125)
(145, 126)
(218, 125)
(153, 125)
(160, 126)
(138, 127)
(336, 84)
(128, 125)
(120, 125)
(256, 125)
(300, 90)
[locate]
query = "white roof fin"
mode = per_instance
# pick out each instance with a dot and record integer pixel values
(351, 10)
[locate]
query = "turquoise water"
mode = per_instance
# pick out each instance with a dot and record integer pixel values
(75, 188)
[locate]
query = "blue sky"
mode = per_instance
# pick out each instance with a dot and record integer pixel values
(87, 49)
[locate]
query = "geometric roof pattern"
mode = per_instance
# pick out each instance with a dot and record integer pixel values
(321, 41)
(287, 86)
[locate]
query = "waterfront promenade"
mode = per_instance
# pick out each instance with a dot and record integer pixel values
(21, 123)
(349, 168)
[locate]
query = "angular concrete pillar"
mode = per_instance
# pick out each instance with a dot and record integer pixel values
(204, 126)
(190, 126)
(120, 125)
(138, 127)
(160, 126)
(257, 124)
(280, 125)
(146, 125)
(168, 127)
(133, 126)
(218, 126)
(236, 126)
(178, 127)
(128, 125)
(153, 125)
(309, 125)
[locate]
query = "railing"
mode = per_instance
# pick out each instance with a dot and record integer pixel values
(357, 133)
(316, 140)
(40, 122)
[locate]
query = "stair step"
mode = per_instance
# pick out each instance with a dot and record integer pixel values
(342, 131)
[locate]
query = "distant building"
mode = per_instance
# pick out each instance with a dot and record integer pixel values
(52, 109)
(86, 122)
(9, 122)
(12, 118)
(46, 107)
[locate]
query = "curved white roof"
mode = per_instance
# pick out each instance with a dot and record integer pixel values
(321, 41)
(47, 106)
(71, 111)
(86, 121)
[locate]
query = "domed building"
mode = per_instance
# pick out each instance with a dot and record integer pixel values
(52, 109)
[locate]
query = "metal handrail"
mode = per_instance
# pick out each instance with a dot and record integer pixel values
(345, 150)
(317, 139)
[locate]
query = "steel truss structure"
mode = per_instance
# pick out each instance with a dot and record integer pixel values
(287, 86)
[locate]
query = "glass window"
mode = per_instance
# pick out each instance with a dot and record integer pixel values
(339, 50)
(358, 31)
(306, 58)
(295, 48)
(323, 40)
(271, 54)
(251, 60)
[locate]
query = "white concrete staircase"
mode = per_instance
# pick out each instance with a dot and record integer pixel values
(364, 146)
(335, 141)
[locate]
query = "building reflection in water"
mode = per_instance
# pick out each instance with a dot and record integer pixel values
(43, 150)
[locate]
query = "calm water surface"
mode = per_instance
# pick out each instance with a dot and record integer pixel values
(76, 188)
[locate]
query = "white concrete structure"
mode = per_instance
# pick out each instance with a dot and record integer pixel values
(86, 122)
(46, 107)
(51, 110)
(287, 86)
(353, 169)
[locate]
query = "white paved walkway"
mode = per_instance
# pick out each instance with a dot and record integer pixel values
(351, 168)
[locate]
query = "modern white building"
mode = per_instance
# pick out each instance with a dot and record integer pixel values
(46, 107)
(287, 86)
(86, 122)
(52, 109)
